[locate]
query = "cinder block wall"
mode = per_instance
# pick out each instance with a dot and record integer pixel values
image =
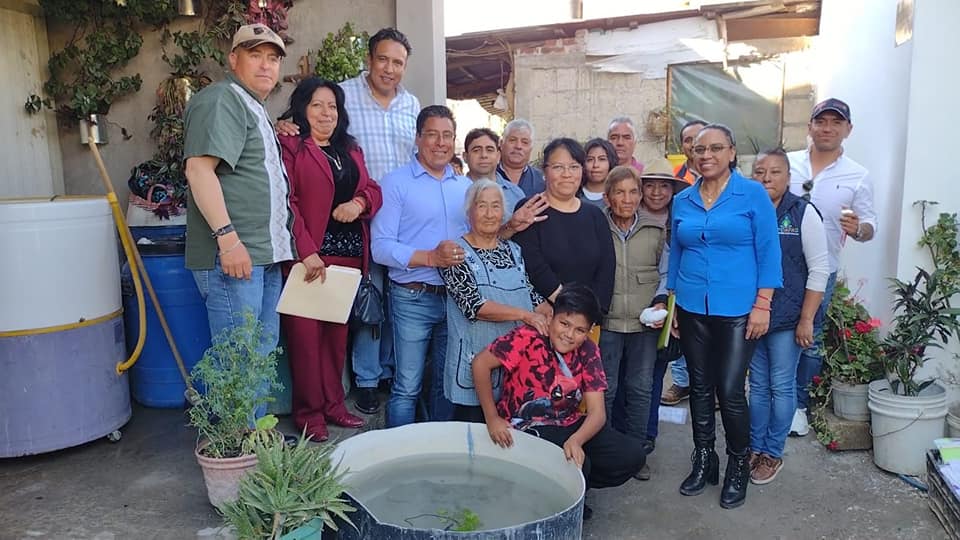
(563, 96)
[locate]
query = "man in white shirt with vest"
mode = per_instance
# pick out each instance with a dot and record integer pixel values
(842, 191)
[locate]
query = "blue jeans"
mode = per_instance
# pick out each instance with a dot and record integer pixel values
(653, 423)
(372, 357)
(772, 391)
(419, 327)
(678, 371)
(227, 298)
(632, 356)
(811, 358)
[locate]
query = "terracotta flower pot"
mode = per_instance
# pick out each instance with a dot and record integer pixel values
(222, 476)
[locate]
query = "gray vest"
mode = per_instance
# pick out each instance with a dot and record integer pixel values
(466, 338)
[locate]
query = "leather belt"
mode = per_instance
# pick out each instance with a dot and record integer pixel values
(439, 290)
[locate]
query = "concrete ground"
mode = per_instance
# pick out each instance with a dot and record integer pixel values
(148, 486)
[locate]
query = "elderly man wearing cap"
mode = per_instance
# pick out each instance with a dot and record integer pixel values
(627, 344)
(238, 217)
(842, 191)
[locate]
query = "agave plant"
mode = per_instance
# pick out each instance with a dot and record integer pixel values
(291, 486)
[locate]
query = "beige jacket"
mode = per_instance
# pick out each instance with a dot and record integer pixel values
(637, 276)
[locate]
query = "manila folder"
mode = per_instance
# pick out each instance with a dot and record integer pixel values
(329, 301)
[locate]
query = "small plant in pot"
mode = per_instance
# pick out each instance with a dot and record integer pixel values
(236, 381)
(907, 412)
(925, 319)
(294, 487)
(851, 350)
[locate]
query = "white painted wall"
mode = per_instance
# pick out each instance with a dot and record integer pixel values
(901, 99)
(859, 64)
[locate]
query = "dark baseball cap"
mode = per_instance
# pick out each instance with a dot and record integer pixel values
(832, 104)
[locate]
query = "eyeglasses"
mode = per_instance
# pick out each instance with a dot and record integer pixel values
(807, 188)
(557, 168)
(713, 148)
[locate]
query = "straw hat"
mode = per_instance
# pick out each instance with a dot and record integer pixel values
(662, 169)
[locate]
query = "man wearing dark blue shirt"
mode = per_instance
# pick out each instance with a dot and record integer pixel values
(515, 148)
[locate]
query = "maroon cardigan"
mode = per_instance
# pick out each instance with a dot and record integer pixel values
(311, 194)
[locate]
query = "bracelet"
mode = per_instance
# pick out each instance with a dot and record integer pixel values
(761, 308)
(767, 298)
(231, 248)
(222, 231)
(359, 202)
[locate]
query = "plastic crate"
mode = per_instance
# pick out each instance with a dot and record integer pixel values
(941, 498)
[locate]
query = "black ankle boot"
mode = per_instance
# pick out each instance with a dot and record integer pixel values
(735, 480)
(706, 469)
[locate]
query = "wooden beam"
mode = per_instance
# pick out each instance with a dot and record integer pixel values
(457, 62)
(472, 90)
(766, 28)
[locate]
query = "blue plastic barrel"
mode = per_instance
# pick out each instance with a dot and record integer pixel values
(155, 378)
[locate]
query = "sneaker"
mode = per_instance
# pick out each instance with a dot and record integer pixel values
(674, 395)
(754, 459)
(367, 401)
(766, 469)
(799, 426)
(643, 474)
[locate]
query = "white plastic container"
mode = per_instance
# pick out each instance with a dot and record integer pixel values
(60, 262)
(904, 427)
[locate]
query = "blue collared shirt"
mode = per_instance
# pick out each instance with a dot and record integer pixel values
(418, 212)
(386, 135)
(531, 180)
(720, 257)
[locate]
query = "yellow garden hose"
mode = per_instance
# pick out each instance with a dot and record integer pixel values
(136, 264)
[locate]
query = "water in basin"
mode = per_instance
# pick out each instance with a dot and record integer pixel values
(444, 491)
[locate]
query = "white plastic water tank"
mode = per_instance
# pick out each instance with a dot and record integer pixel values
(59, 262)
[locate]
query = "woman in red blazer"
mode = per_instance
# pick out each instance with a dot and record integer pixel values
(333, 200)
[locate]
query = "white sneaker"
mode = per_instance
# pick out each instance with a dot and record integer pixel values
(799, 426)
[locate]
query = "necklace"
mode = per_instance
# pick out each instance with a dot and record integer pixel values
(335, 159)
(710, 199)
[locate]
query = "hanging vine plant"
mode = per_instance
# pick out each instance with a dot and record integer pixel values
(104, 39)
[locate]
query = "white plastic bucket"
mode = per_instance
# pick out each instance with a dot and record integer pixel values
(850, 401)
(904, 427)
(953, 422)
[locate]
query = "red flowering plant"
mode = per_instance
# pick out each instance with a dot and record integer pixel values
(851, 351)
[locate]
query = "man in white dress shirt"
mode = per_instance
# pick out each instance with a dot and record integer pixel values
(842, 191)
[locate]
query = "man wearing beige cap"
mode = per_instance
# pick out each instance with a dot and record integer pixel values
(238, 216)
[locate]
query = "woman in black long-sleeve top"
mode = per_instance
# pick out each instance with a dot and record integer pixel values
(573, 244)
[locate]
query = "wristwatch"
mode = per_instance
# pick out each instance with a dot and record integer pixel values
(226, 229)
(859, 232)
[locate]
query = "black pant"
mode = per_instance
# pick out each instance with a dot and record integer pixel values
(466, 413)
(611, 459)
(718, 354)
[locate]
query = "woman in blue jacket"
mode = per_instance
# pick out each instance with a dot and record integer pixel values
(724, 267)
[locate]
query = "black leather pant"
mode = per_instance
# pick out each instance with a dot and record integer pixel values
(718, 355)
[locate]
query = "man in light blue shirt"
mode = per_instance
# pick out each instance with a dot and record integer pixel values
(413, 236)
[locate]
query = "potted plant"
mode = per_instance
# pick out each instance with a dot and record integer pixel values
(294, 492)
(907, 412)
(159, 185)
(852, 353)
(341, 55)
(236, 380)
(851, 350)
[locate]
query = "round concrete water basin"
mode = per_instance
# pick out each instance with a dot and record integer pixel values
(447, 480)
